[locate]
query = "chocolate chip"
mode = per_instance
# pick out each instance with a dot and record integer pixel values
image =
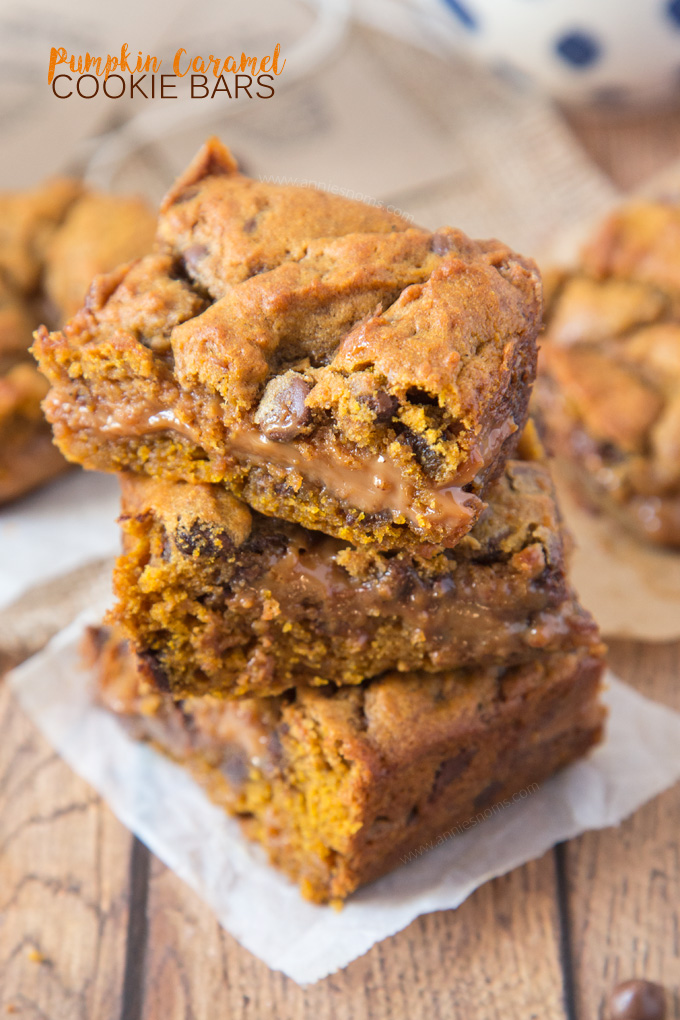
(235, 766)
(381, 827)
(202, 540)
(637, 1000)
(442, 243)
(282, 414)
(450, 769)
(193, 256)
(274, 751)
(166, 548)
(428, 458)
(249, 225)
(383, 405)
(489, 796)
(152, 665)
(379, 517)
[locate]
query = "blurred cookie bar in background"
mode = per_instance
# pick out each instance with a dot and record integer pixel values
(609, 379)
(54, 240)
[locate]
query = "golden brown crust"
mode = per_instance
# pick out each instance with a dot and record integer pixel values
(226, 227)
(609, 390)
(212, 160)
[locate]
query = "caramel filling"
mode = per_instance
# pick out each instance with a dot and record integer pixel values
(485, 453)
(372, 483)
(308, 580)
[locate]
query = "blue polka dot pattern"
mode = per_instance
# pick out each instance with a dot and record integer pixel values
(578, 49)
(462, 13)
(673, 12)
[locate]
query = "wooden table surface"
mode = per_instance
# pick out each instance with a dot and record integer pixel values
(92, 927)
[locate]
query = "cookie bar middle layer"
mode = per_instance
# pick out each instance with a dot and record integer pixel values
(220, 599)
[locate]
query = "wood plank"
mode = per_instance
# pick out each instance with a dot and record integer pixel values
(496, 958)
(624, 883)
(64, 863)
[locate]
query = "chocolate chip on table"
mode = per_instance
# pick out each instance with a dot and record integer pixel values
(282, 414)
(383, 405)
(637, 1000)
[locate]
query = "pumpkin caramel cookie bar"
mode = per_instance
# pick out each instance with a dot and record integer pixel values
(220, 599)
(331, 364)
(341, 785)
(609, 387)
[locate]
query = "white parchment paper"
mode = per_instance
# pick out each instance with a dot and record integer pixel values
(260, 908)
(52, 531)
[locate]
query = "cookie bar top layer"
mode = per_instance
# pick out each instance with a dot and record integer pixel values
(222, 600)
(609, 390)
(332, 364)
(339, 787)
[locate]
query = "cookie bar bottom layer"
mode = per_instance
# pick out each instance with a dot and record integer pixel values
(340, 787)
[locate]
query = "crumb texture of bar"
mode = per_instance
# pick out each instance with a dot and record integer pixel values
(223, 600)
(335, 366)
(342, 787)
(609, 387)
(53, 240)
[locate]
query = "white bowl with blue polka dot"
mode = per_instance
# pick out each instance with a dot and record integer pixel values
(614, 52)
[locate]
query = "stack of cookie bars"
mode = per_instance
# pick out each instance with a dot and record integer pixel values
(342, 600)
